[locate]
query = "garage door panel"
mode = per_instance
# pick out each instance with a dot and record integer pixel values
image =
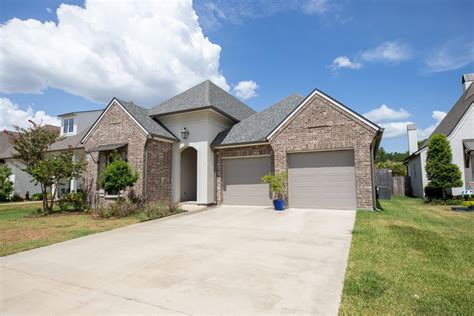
(322, 180)
(242, 181)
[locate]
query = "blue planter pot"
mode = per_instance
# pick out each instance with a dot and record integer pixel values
(279, 205)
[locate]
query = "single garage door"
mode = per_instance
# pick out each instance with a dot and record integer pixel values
(242, 181)
(322, 180)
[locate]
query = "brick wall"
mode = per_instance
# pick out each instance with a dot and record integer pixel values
(117, 127)
(158, 173)
(321, 125)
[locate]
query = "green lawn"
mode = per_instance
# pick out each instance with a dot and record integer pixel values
(411, 258)
(19, 233)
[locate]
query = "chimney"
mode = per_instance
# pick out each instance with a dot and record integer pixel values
(412, 139)
(467, 80)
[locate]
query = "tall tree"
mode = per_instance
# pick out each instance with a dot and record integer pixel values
(440, 170)
(46, 169)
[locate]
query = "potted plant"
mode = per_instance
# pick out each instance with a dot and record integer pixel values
(277, 184)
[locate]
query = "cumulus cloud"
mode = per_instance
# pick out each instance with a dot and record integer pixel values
(143, 51)
(426, 132)
(452, 55)
(13, 115)
(390, 51)
(395, 124)
(344, 62)
(246, 89)
(385, 113)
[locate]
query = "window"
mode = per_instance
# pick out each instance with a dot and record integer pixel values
(68, 125)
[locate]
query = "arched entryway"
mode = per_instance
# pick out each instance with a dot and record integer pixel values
(188, 175)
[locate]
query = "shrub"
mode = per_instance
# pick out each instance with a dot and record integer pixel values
(37, 197)
(154, 210)
(120, 208)
(74, 201)
(118, 175)
(16, 198)
(438, 201)
(468, 203)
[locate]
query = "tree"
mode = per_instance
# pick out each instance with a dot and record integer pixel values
(6, 186)
(382, 156)
(118, 175)
(441, 172)
(277, 184)
(47, 169)
(398, 168)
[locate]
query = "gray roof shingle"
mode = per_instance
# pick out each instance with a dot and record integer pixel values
(447, 125)
(204, 95)
(258, 126)
(142, 116)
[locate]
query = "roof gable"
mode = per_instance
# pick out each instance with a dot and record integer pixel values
(454, 116)
(333, 101)
(139, 115)
(204, 95)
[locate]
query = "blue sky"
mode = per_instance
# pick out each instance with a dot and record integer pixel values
(397, 61)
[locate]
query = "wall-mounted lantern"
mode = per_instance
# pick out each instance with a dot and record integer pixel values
(184, 133)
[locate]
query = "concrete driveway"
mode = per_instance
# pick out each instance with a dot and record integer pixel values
(229, 259)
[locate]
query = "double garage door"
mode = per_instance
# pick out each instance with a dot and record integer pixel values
(316, 180)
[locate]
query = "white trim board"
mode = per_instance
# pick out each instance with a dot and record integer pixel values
(324, 96)
(116, 102)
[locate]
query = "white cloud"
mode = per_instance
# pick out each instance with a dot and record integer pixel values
(398, 129)
(390, 51)
(385, 113)
(213, 13)
(143, 51)
(315, 6)
(246, 89)
(48, 10)
(452, 55)
(12, 116)
(394, 129)
(344, 62)
(426, 132)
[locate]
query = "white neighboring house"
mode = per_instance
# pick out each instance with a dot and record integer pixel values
(458, 126)
(74, 125)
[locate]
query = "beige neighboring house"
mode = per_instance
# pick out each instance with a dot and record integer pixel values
(74, 125)
(458, 127)
(206, 146)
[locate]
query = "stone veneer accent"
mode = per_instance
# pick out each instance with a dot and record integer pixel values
(247, 151)
(116, 127)
(319, 126)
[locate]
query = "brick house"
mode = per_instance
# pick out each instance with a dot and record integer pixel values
(204, 145)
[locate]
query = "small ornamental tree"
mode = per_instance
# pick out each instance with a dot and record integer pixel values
(118, 175)
(441, 172)
(277, 184)
(6, 186)
(47, 169)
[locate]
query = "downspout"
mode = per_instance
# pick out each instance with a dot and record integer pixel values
(374, 147)
(145, 170)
